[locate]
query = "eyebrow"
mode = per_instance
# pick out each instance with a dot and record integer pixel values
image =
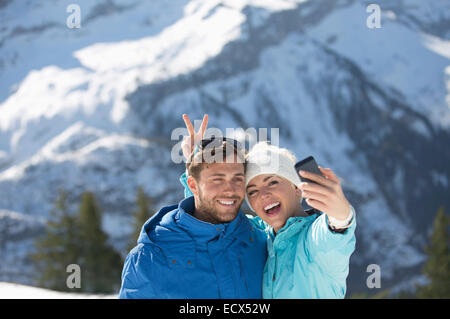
(264, 180)
(221, 174)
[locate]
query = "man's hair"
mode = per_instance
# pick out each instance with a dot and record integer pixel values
(210, 155)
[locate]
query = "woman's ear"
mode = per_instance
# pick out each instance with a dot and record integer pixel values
(192, 183)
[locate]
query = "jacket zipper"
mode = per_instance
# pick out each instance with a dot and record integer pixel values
(274, 268)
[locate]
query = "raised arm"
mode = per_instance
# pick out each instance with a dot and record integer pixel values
(330, 239)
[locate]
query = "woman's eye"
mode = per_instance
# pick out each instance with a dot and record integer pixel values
(273, 183)
(251, 193)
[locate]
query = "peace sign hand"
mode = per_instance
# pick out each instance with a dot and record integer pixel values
(187, 145)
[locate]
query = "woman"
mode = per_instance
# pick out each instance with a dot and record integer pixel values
(308, 252)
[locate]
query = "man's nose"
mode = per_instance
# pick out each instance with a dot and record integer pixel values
(230, 187)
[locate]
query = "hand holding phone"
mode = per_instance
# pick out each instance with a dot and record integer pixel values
(332, 201)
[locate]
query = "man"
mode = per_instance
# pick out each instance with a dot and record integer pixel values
(204, 247)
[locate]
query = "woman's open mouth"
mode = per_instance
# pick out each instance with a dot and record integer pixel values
(273, 208)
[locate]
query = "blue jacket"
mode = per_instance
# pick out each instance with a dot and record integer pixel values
(179, 256)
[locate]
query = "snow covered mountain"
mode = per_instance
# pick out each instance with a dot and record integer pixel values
(94, 108)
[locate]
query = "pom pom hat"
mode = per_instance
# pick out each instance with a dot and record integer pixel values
(269, 159)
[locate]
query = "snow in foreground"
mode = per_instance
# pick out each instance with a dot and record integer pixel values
(16, 291)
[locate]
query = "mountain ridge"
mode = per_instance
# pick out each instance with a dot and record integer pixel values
(105, 125)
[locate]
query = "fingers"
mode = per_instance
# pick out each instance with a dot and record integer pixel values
(317, 204)
(329, 174)
(316, 196)
(204, 125)
(189, 125)
(312, 187)
(317, 178)
(186, 147)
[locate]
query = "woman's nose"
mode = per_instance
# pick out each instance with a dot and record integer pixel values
(265, 192)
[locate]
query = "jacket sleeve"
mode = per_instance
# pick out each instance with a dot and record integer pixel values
(183, 181)
(135, 276)
(331, 250)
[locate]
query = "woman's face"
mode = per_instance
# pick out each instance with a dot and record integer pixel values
(274, 199)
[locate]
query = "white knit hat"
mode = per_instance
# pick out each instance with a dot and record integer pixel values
(269, 159)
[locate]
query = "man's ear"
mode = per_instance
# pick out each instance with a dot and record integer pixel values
(298, 191)
(192, 183)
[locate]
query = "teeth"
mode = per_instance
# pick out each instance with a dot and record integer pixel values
(226, 203)
(271, 206)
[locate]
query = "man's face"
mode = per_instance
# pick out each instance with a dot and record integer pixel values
(219, 192)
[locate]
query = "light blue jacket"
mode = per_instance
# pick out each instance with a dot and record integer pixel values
(306, 259)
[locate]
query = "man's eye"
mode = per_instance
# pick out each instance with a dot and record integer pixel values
(273, 183)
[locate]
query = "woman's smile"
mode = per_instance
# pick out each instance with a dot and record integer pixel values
(272, 209)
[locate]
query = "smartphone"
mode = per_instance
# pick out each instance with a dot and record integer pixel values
(308, 164)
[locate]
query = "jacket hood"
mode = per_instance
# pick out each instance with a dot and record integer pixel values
(161, 219)
(175, 223)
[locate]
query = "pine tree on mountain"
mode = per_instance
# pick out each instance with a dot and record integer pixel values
(100, 264)
(437, 267)
(141, 215)
(58, 248)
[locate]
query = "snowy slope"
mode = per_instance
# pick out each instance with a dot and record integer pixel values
(94, 108)
(16, 291)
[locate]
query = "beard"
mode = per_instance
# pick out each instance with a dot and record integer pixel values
(208, 211)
